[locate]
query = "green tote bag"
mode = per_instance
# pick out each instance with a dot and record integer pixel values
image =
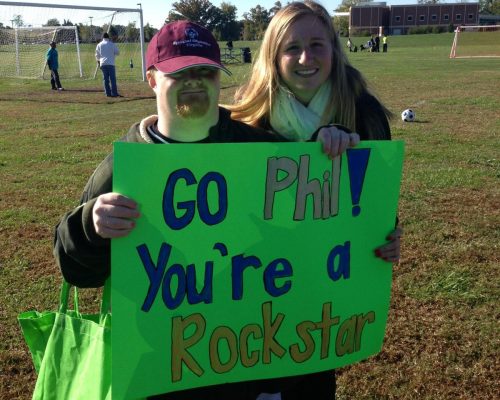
(71, 351)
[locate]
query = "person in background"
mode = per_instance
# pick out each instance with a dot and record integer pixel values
(105, 54)
(349, 44)
(183, 69)
(384, 44)
(371, 44)
(377, 43)
(301, 81)
(53, 63)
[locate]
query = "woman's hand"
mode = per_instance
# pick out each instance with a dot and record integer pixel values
(113, 215)
(336, 141)
(390, 251)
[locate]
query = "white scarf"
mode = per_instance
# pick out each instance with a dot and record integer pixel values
(293, 120)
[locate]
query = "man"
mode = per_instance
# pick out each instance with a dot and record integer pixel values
(105, 54)
(384, 44)
(53, 64)
(183, 63)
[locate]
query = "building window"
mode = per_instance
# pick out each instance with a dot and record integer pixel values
(434, 17)
(398, 18)
(458, 17)
(471, 16)
(410, 18)
(446, 17)
(422, 18)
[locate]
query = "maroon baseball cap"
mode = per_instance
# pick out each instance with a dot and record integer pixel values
(183, 44)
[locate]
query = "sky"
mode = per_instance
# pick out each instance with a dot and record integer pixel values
(155, 11)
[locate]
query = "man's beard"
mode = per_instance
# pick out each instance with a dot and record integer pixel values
(193, 106)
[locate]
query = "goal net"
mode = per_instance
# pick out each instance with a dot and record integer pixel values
(23, 51)
(476, 41)
(26, 29)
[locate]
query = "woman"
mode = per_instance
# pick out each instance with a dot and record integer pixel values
(301, 54)
(301, 82)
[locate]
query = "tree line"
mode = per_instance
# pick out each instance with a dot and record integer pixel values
(224, 25)
(222, 20)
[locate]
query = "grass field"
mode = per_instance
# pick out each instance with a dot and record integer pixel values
(442, 339)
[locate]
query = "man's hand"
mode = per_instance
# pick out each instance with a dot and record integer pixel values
(114, 215)
(391, 251)
(336, 141)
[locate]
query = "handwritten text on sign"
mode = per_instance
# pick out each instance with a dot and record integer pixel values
(250, 269)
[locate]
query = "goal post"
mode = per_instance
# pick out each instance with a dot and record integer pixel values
(18, 47)
(476, 41)
(24, 51)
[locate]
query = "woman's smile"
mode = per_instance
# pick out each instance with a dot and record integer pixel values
(307, 72)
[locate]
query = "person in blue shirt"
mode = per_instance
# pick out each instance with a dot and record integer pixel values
(53, 64)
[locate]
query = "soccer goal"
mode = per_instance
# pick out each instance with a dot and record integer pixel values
(26, 29)
(480, 41)
(23, 51)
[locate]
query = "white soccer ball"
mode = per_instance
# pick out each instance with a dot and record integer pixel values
(408, 115)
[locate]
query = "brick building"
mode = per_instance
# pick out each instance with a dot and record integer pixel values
(397, 20)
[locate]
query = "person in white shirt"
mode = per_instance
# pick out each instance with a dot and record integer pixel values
(105, 54)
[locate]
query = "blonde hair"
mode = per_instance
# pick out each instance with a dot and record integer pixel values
(254, 100)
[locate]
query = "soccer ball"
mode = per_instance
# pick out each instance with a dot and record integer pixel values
(408, 115)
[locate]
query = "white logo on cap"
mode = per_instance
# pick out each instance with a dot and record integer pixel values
(191, 39)
(191, 33)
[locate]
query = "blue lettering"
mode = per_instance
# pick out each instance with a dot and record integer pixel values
(174, 222)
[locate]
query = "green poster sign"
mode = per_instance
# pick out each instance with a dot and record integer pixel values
(249, 261)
